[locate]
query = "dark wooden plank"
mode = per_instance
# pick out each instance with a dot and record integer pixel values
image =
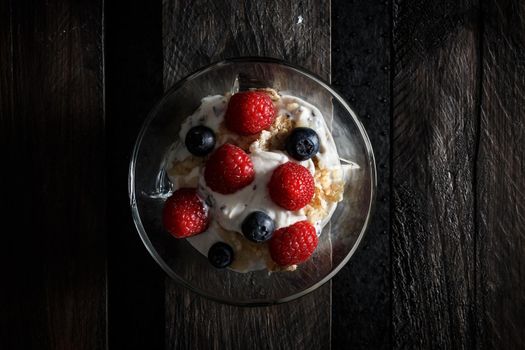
(500, 245)
(361, 72)
(435, 99)
(133, 85)
(53, 292)
(195, 34)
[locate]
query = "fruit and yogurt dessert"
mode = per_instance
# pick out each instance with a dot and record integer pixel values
(255, 177)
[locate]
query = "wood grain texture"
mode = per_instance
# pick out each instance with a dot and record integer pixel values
(500, 248)
(361, 72)
(53, 292)
(435, 121)
(195, 34)
(133, 86)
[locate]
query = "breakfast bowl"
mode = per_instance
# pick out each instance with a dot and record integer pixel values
(150, 185)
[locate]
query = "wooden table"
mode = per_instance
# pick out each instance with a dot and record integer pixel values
(439, 85)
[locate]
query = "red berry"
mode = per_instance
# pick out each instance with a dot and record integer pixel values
(184, 213)
(293, 244)
(291, 186)
(228, 169)
(250, 112)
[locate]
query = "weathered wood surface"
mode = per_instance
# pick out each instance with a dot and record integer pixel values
(53, 260)
(361, 72)
(196, 34)
(500, 184)
(435, 125)
(133, 44)
(458, 162)
(453, 273)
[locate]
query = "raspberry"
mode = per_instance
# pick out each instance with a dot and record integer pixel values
(293, 244)
(184, 213)
(228, 169)
(291, 186)
(249, 112)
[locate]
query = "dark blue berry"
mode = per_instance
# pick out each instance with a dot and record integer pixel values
(200, 140)
(258, 227)
(302, 144)
(220, 255)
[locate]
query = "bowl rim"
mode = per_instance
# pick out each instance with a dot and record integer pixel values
(131, 180)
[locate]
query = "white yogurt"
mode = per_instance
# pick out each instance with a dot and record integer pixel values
(229, 211)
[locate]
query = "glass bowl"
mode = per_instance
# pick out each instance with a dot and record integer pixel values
(149, 186)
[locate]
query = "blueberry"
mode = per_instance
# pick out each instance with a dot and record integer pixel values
(220, 255)
(200, 140)
(258, 227)
(302, 144)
